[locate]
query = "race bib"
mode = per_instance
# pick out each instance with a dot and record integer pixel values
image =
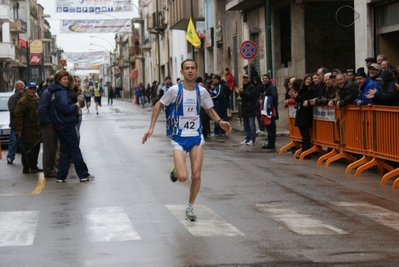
(189, 123)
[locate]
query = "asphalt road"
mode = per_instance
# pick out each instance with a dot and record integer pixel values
(255, 207)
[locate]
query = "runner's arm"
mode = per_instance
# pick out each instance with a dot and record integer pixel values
(225, 125)
(155, 113)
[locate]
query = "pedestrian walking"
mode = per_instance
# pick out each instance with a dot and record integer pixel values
(64, 116)
(110, 95)
(184, 125)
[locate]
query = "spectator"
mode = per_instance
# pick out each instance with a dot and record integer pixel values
(253, 73)
(206, 127)
(304, 114)
(27, 128)
(249, 96)
(369, 61)
(289, 98)
(365, 84)
(385, 65)
(260, 88)
(19, 92)
(49, 136)
(269, 106)
(350, 74)
(389, 95)
(219, 103)
(374, 73)
(319, 91)
(381, 58)
(231, 83)
(154, 87)
(331, 93)
(64, 115)
(347, 91)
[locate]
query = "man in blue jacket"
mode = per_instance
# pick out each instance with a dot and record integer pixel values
(365, 84)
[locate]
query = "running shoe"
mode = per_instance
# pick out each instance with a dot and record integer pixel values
(244, 142)
(173, 177)
(62, 180)
(250, 143)
(86, 179)
(190, 216)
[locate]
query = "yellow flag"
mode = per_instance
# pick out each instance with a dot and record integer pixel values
(191, 34)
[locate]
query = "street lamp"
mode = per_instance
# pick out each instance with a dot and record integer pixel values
(100, 46)
(92, 36)
(101, 13)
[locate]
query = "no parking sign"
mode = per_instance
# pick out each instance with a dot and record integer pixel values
(248, 50)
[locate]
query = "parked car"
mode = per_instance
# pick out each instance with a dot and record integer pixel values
(4, 118)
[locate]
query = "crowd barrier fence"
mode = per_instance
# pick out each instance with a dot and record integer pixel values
(365, 136)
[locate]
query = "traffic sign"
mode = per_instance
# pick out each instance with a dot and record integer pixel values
(248, 50)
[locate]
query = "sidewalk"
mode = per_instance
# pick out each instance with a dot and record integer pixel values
(237, 127)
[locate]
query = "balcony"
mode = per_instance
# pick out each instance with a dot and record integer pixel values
(180, 13)
(18, 26)
(20, 56)
(7, 51)
(237, 5)
(5, 11)
(135, 50)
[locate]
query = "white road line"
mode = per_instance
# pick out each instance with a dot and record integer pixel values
(301, 224)
(380, 215)
(18, 228)
(208, 224)
(110, 224)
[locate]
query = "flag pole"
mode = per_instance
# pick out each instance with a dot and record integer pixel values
(192, 17)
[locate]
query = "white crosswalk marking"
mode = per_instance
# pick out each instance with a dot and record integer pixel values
(301, 224)
(110, 224)
(208, 224)
(18, 228)
(373, 212)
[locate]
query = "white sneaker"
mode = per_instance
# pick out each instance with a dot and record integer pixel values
(244, 142)
(250, 143)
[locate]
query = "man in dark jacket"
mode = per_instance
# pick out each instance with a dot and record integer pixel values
(270, 102)
(26, 118)
(49, 135)
(219, 103)
(12, 104)
(389, 95)
(248, 94)
(347, 90)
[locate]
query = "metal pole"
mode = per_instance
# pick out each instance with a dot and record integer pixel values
(269, 38)
(158, 52)
(192, 17)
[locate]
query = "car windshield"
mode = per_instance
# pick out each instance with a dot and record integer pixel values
(3, 103)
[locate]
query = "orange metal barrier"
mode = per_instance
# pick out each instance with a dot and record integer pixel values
(295, 135)
(371, 132)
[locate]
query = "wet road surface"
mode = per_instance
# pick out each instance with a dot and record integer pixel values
(255, 207)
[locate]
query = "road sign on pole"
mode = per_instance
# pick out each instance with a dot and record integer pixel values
(248, 50)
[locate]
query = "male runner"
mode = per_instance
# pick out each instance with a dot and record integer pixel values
(185, 101)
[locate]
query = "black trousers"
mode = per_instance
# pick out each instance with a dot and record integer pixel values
(29, 152)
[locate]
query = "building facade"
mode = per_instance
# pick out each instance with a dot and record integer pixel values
(24, 21)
